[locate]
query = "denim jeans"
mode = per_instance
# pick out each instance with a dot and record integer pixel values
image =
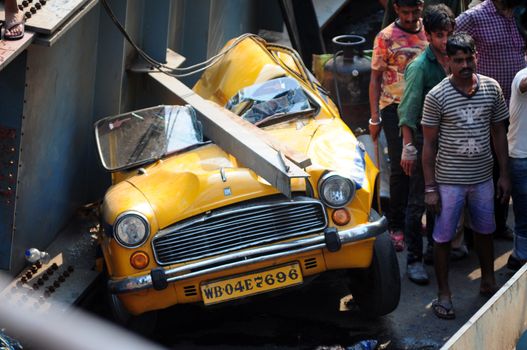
(501, 210)
(398, 180)
(518, 173)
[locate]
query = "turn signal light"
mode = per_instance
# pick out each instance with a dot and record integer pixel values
(139, 260)
(341, 217)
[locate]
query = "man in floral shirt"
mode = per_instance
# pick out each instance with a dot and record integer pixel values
(394, 47)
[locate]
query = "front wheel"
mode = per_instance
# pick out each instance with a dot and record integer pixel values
(377, 289)
(143, 324)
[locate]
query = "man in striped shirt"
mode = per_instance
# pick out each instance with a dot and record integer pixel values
(421, 75)
(460, 117)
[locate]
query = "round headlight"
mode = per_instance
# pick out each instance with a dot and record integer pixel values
(336, 191)
(131, 229)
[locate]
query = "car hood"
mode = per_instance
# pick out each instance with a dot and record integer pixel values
(329, 144)
(194, 182)
(207, 178)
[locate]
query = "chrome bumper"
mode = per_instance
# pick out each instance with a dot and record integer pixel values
(332, 239)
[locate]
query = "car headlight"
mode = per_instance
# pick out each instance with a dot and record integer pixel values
(131, 229)
(335, 190)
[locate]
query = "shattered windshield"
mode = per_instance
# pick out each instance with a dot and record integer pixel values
(143, 136)
(272, 99)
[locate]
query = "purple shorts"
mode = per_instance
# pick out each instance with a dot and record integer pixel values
(478, 198)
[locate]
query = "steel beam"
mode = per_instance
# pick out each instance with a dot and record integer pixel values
(12, 80)
(303, 28)
(220, 126)
(57, 160)
(110, 61)
(155, 28)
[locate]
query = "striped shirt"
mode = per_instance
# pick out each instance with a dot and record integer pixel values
(500, 46)
(464, 156)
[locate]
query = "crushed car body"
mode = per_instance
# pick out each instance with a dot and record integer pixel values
(186, 222)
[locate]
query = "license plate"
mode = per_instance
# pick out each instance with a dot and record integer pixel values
(254, 283)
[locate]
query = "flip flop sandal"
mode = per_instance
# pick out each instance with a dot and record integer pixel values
(443, 309)
(13, 25)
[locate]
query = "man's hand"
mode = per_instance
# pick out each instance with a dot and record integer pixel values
(374, 131)
(408, 166)
(433, 202)
(503, 189)
(408, 158)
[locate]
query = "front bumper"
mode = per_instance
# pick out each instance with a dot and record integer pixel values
(331, 240)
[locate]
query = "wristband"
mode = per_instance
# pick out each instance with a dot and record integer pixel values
(371, 122)
(409, 152)
(431, 188)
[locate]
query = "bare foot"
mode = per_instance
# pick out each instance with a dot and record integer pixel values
(14, 25)
(488, 289)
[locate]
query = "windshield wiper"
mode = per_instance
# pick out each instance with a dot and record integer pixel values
(278, 116)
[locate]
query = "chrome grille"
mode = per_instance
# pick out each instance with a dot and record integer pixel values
(237, 228)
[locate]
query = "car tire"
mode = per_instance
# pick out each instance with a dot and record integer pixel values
(377, 289)
(144, 324)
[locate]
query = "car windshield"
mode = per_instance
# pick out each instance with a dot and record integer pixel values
(143, 136)
(270, 100)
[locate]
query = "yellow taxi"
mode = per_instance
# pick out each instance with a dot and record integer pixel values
(186, 222)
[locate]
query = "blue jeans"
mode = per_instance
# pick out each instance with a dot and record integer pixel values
(518, 173)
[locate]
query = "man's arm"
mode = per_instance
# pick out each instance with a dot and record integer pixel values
(523, 85)
(430, 135)
(499, 139)
(375, 95)
(409, 153)
(408, 135)
(432, 199)
(409, 112)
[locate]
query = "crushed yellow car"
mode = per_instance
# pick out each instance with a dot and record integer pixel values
(185, 222)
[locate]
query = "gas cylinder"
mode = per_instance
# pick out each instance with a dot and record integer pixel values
(347, 78)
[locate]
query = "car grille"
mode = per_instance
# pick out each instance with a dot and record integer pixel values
(239, 227)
